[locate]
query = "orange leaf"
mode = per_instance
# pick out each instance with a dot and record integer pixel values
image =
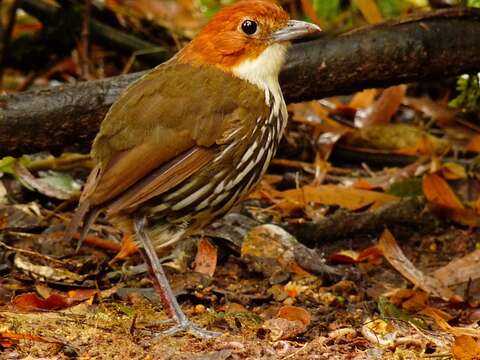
(386, 106)
(466, 348)
(31, 302)
(293, 313)
(474, 144)
(439, 193)
(206, 259)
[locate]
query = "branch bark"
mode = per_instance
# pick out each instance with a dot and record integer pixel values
(437, 44)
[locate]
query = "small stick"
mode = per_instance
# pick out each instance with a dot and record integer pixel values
(84, 58)
(7, 35)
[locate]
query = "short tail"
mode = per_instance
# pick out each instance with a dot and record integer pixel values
(81, 221)
(85, 214)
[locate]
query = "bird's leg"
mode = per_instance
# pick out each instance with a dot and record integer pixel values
(162, 286)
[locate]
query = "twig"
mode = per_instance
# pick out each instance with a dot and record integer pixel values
(7, 35)
(84, 56)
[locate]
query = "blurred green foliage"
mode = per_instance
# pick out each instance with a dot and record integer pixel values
(327, 10)
(474, 3)
(469, 98)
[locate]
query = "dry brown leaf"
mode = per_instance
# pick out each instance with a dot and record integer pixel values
(466, 348)
(385, 107)
(439, 112)
(404, 266)
(442, 323)
(474, 144)
(363, 99)
(396, 138)
(460, 270)
(294, 313)
(206, 258)
(438, 192)
(344, 197)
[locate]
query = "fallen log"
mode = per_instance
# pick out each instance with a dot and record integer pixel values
(430, 46)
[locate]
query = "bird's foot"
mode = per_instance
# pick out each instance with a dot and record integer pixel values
(191, 328)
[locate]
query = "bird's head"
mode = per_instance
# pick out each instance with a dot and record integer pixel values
(248, 39)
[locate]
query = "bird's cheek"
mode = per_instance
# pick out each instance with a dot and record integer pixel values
(229, 43)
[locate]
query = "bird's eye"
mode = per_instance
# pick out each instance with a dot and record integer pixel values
(249, 27)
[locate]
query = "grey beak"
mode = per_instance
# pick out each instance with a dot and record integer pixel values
(295, 29)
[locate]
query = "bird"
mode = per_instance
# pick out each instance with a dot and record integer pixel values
(188, 140)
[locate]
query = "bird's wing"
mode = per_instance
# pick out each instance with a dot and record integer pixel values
(164, 129)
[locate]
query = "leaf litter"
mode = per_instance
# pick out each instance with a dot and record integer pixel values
(360, 243)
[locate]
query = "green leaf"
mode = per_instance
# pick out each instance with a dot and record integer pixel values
(469, 88)
(6, 164)
(61, 181)
(407, 188)
(327, 10)
(474, 3)
(390, 8)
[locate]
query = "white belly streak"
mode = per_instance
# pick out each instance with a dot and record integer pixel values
(191, 198)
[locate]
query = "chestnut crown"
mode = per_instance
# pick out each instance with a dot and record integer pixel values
(241, 32)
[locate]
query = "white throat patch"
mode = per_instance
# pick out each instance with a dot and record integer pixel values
(263, 71)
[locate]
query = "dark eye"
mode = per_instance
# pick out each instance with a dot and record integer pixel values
(249, 27)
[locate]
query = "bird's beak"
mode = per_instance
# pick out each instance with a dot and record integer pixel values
(295, 29)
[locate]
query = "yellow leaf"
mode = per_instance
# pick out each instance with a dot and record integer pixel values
(348, 198)
(370, 11)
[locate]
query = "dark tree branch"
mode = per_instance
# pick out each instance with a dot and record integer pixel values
(436, 45)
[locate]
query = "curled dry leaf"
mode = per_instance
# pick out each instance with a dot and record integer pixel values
(294, 313)
(348, 198)
(460, 270)
(439, 193)
(46, 272)
(290, 322)
(40, 185)
(206, 258)
(404, 266)
(384, 108)
(442, 323)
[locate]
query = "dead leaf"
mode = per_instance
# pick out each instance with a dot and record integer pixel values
(363, 99)
(442, 114)
(442, 323)
(294, 313)
(453, 171)
(466, 348)
(348, 198)
(403, 265)
(460, 270)
(474, 144)
(269, 249)
(355, 257)
(31, 302)
(40, 185)
(438, 192)
(9, 338)
(45, 272)
(382, 111)
(283, 329)
(401, 139)
(206, 259)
